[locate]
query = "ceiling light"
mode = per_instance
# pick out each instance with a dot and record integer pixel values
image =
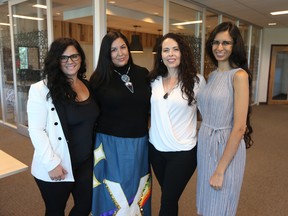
(188, 22)
(136, 46)
(5, 24)
(27, 17)
(40, 6)
(279, 12)
(272, 24)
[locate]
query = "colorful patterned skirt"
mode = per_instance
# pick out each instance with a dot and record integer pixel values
(121, 180)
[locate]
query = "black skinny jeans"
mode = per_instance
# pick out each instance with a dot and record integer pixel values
(56, 194)
(173, 170)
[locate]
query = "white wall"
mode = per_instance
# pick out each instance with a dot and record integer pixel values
(270, 36)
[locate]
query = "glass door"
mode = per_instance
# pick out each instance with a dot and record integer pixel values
(7, 93)
(29, 44)
(278, 81)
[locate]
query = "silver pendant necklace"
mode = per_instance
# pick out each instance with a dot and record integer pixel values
(126, 79)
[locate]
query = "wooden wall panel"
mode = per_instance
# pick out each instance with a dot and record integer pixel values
(57, 29)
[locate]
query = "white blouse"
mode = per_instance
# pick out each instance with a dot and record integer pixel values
(173, 122)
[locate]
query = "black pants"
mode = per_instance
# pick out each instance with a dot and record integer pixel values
(56, 194)
(173, 170)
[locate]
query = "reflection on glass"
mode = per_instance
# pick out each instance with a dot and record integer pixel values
(211, 23)
(189, 24)
(28, 58)
(254, 61)
(30, 39)
(7, 98)
(23, 56)
(244, 30)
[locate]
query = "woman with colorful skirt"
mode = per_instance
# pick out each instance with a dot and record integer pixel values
(121, 181)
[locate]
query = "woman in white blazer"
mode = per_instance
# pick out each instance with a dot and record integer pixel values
(61, 116)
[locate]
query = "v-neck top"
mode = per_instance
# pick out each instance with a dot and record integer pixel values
(173, 122)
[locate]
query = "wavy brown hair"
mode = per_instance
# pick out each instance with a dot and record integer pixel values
(57, 82)
(187, 73)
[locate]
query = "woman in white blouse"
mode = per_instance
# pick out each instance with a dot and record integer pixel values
(175, 86)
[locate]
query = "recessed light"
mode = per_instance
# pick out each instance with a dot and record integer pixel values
(279, 12)
(188, 23)
(40, 6)
(5, 24)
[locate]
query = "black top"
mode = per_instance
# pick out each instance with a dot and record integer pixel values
(125, 114)
(81, 118)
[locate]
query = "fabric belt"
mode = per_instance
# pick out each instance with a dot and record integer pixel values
(216, 138)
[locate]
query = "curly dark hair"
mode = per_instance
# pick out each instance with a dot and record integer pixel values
(57, 82)
(187, 73)
(104, 70)
(237, 59)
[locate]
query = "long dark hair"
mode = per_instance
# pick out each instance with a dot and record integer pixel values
(237, 59)
(187, 73)
(57, 82)
(104, 70)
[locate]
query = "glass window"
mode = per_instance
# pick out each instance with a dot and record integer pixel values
(188, 22)
(211, 23)
(244, 30)
(7, 96)
(254, 60)
(75, 20)
(228, 19)
(30, 43)
(140, 22)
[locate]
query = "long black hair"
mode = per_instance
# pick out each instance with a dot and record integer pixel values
(57, 82)
(236, 59)
(187, 73)
(104, 70)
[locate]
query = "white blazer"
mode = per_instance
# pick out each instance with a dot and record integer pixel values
(47, 135)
